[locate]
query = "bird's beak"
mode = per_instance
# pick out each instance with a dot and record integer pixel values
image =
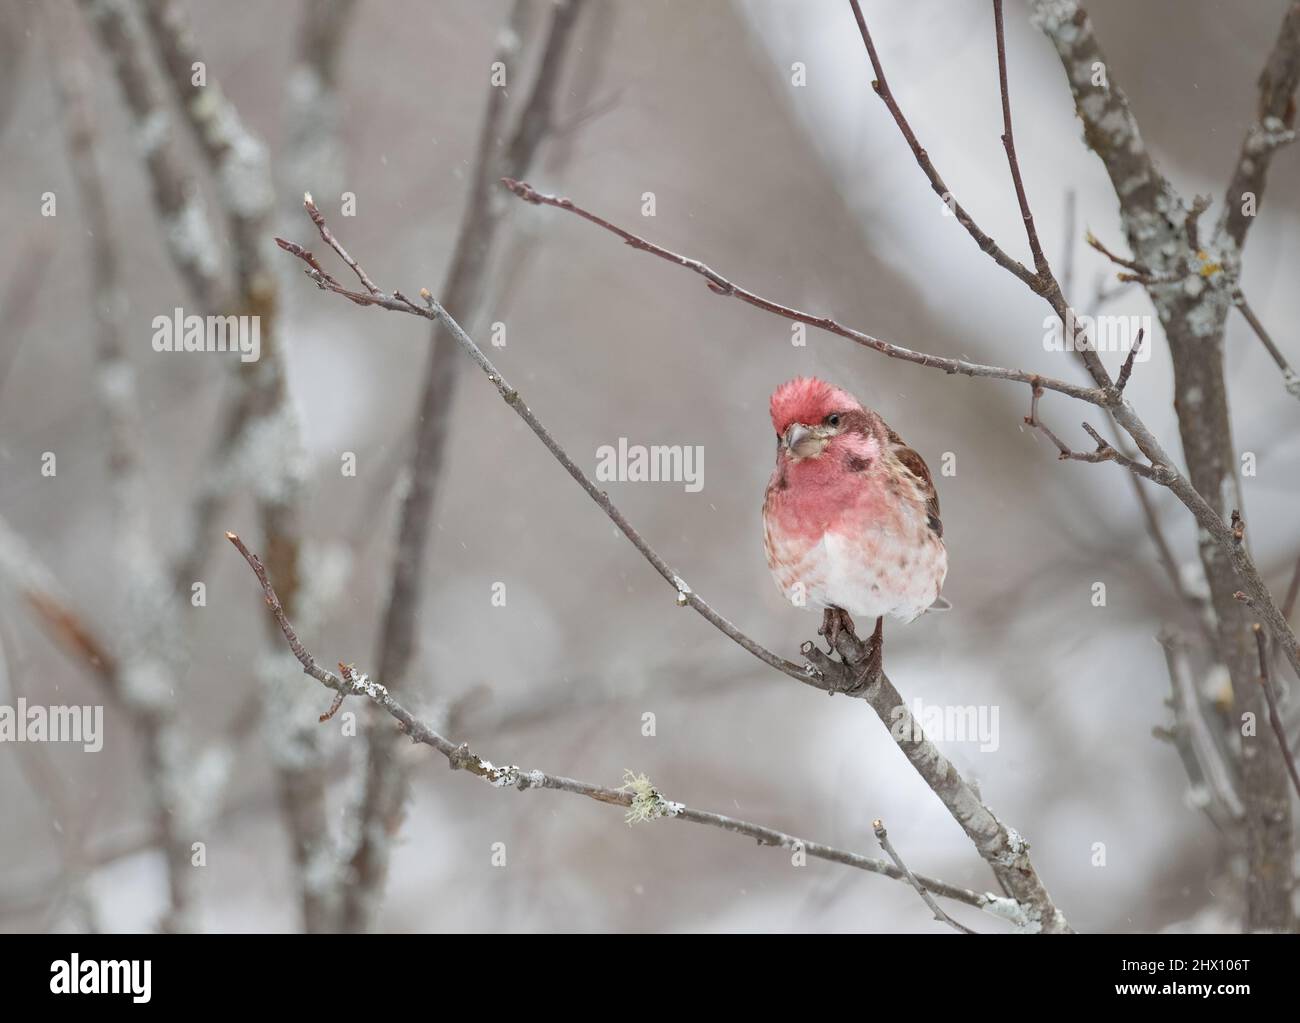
(803, 441)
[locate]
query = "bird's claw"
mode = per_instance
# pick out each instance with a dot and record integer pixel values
(834, 622)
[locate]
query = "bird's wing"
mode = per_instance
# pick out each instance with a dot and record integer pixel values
(915, 465)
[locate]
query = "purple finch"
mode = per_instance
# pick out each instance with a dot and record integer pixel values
(851, 518)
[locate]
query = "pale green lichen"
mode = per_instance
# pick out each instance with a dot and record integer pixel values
(647, 802)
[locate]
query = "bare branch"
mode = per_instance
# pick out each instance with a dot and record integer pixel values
(1105, 394)
(720, 285)
(1289, 376)
(1126, 370)
(1118, 142)
(148, 631)
(1109, 126)
(134, 682)
(1129, 264)
(1105, 452)
(1008, 139)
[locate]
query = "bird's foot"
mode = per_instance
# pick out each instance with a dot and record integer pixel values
(874, 664)
(835, 621)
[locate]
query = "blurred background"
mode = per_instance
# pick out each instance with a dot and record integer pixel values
(805, 193)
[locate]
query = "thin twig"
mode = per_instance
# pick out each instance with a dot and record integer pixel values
(1126, 370)
(878, 826)
(1289, 376)
(1105, 451)
(1128, 264)
(1008, 142)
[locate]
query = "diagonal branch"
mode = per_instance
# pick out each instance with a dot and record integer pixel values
(1109, 127)
(1203, 758)
(720, 285)
(1008, 142)
(1290, 378)
(882, 836)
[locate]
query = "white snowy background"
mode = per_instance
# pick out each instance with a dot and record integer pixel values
(808, 195)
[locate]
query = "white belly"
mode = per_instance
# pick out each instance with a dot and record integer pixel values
(900, 579)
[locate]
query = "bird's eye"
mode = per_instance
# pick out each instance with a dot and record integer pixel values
(833, 419)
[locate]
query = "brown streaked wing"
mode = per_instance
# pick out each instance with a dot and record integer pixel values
(915, 464)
